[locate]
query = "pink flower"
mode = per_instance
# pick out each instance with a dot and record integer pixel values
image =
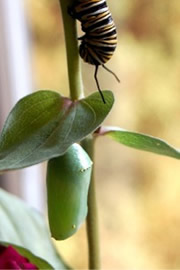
(11, 259)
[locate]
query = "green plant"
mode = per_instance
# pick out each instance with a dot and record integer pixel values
(46, 126)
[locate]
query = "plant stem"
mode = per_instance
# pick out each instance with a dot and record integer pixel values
(76, 92)
(92, 218)
(72, 52)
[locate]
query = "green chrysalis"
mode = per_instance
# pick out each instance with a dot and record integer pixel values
(68, 179)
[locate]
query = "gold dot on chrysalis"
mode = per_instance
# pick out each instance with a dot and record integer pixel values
(74, 226)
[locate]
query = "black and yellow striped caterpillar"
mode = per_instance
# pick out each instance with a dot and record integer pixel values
(100, 39)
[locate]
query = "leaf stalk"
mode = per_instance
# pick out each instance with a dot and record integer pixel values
(72, 51)
(92, 218)
(76, 92)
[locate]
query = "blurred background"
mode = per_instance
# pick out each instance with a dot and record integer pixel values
(138, 192)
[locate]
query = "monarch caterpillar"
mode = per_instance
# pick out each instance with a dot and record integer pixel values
(100, 39)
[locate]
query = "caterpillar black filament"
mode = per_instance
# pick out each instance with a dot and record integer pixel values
(100, 39)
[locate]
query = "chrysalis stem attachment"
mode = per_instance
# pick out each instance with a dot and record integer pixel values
(111, 73)
(98, 86)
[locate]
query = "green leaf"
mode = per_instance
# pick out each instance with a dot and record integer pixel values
(68, 181)
(25, 229)
(43, 125)
(140, 141)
